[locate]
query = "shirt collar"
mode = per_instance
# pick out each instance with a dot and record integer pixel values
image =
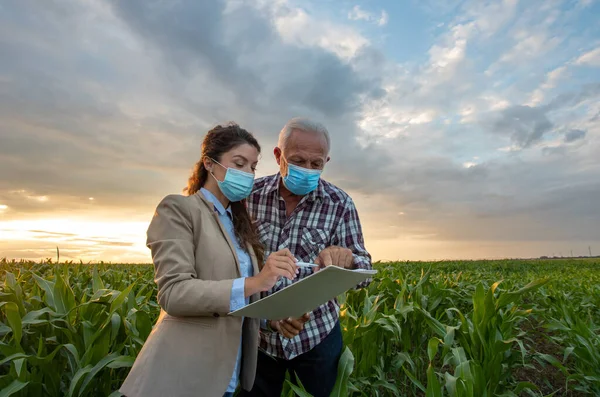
(273, 186)
(215, 202)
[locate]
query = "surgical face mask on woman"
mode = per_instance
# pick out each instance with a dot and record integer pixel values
(301, 181)
(237, 185)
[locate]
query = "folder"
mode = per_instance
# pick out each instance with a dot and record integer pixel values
(305, 295)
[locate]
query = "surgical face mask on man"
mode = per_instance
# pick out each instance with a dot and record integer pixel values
(301, 181)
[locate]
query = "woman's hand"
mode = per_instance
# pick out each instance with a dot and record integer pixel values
(279, 264)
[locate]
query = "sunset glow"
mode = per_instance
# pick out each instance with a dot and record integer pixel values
(462, 129)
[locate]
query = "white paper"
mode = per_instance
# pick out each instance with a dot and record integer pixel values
(305, 295)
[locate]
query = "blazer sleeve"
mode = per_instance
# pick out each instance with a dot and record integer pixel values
(180, 292)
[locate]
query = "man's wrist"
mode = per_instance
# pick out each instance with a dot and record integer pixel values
(266, 325)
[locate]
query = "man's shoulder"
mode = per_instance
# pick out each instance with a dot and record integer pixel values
(262, 181)
(335, 193)
(261, 186)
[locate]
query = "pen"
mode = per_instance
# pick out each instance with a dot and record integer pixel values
(306, 265)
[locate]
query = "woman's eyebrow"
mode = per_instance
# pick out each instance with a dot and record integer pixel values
(242, 157)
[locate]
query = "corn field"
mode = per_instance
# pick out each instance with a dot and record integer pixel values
(484, 328)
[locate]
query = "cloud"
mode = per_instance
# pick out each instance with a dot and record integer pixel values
(110, 100)
(552, 78)
(295, 26)
(527, 125)
(99, 122)
(590, 58)
(523, 124)
(358, 14)
(574, 135)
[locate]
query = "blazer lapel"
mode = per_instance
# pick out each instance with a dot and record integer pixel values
(253, 259)
(223, 231)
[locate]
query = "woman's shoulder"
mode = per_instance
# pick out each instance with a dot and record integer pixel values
(173, 201)
(182, 200)
(182, 204)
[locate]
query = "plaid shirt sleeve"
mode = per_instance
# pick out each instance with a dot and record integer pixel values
(348, 234)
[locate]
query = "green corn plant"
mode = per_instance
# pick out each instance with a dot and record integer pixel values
(581, 335)
(420, 329)
(64, 334)
(486, 337)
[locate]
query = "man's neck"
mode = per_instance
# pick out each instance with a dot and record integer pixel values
(291, 200)
(286, 194)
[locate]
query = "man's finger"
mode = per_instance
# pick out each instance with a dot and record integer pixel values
(336, 256)
(297, 324)
(275, 325)
(348, 259)
(326, 259)
(318, 263)
(280, 327)
(288, 330)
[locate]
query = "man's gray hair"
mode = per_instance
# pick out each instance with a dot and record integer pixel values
(302, 124)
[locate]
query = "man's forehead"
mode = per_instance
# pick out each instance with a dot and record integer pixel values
(306, 141)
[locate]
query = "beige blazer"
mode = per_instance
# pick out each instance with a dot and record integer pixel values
(192, 348)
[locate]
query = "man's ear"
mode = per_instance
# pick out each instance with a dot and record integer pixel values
(277, 153)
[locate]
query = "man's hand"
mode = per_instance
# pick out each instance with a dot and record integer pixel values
(290, 327)
(336, 256)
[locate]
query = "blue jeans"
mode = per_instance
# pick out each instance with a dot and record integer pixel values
(317, 369)
(228, 394)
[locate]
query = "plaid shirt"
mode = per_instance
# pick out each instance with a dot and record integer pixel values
(323, 218)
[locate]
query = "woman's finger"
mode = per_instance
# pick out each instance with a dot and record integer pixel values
(287, 260)
(285, 263)
(282, 272)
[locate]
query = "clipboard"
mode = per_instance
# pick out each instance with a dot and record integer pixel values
(305, 295)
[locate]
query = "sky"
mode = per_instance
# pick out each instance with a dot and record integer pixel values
(461, 129)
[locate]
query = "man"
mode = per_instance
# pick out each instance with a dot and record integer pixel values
(318, 223)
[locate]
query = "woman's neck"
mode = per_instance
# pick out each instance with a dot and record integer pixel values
(214, 189)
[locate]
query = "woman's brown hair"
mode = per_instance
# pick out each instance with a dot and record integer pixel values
(218, 141)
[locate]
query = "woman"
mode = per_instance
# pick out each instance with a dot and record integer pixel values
(206, 256)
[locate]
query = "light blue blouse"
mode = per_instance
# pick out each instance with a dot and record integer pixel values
(237, 291)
